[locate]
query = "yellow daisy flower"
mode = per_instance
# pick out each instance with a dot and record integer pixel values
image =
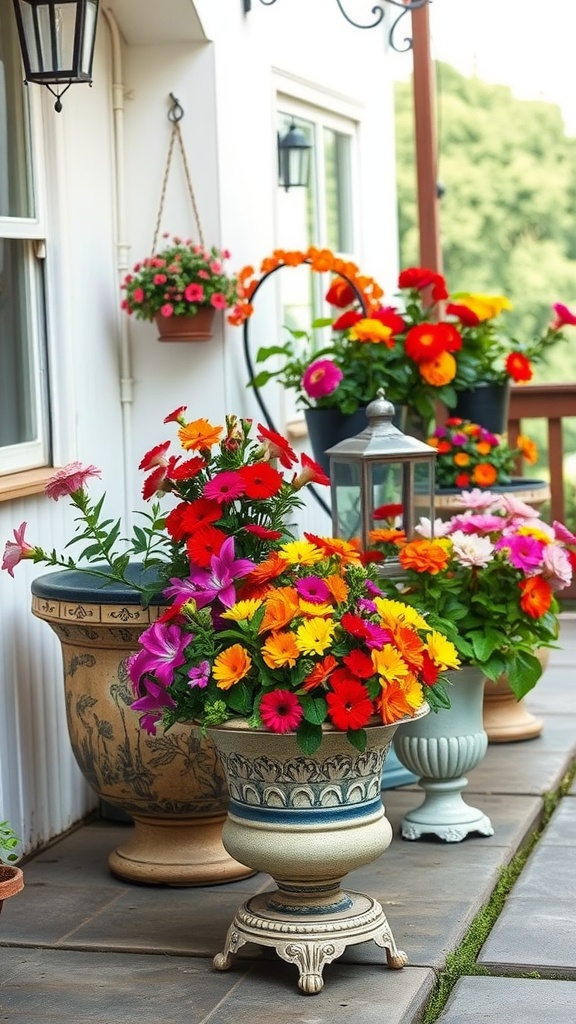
(315, 636)
(242, 610)
(442, 651)
(394, 613)
(300, 552)
(389, 664)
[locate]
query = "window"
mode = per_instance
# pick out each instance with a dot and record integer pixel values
(321, 214)
(23, 390)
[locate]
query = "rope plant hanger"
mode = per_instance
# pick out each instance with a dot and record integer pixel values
(182, 286)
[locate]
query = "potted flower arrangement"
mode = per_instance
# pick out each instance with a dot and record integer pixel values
(11, 876)
(225, 500)
(300, 670)
(471, 456)
(488, 579)
(180, 288)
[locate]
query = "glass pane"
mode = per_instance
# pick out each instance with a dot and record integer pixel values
(16, 198)
(348, 515)
(18, 404)
(338, 191)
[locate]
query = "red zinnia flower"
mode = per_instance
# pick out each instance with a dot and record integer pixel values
(420, 278)
(390, 318)
(360, 664)
(349, 705)
(388, 511)
(280, 711)
(278, 447)
(519, 367)
(462, 480)
(340, 293)
(186, 518)
(263, 532)
(176, 415)
(155, 457)
(260, 480)
(347, 320)
(187, 470)
(311, 473)
(204, 543)
(427, 341)
(465, 315)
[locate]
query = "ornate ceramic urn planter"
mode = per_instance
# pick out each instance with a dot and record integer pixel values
(171, 784)
(307, 821)
(440, 750)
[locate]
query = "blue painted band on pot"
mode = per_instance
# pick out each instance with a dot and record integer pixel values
(307, 815)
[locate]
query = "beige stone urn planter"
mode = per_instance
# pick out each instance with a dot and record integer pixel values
(507, 719)
(171, 784)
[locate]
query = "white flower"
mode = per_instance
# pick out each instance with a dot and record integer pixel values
(469, 549)
(557, 568)
(514, 507)
(424, 528)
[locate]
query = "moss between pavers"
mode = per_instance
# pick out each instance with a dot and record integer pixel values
(462, 961)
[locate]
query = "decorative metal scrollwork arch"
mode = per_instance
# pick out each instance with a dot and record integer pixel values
(377, 11)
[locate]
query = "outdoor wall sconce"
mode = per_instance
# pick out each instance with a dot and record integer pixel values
(57, 40)
(293, 159)
(377, 10)
(380, 477)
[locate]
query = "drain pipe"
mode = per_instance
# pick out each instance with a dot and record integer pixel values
(122, 258)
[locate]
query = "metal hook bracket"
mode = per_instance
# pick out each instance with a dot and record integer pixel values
(176, 112)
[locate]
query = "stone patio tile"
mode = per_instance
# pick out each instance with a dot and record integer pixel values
(534, 935)
(535, 766)
(67, 987)
(510, 1001)
(561, 829)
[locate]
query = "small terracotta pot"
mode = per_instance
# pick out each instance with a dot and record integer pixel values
(186, 328)
(11, 882)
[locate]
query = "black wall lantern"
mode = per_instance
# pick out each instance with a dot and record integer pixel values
(57, 42)
(293, 159)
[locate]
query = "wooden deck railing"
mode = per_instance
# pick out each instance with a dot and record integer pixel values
(553, 403)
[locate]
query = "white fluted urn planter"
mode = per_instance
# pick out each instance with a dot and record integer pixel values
(307, 821)
(440, 750)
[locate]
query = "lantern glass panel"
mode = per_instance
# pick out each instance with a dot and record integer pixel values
(424, 490)
(386, 492)
(347, 509)
(88, 38)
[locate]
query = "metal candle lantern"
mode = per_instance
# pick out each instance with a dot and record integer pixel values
(380, 474)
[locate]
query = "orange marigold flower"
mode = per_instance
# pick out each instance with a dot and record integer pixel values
(369, 329)
(394, 704)
(536, 596)
(424, 555)
(461, 459)
(281, 606)
(484, 474)
(439, 371)
(528, 447)
(483, 448)
(389, 536)
(199, 435)
(320, 673)
(280, 650)
(230, 666)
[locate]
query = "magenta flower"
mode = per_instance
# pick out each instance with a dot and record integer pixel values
(153, 701)
(321, 378)
(167, 309)
(16, 550)
(219, 301)
(199, 674)
(205, 585)
(224, 487)
(563, 316)
(524, 552)
(69, 479)
(163, 646)
(194, 293)
(482, 523)
(459, 439)
(313, 589)
(280, 711)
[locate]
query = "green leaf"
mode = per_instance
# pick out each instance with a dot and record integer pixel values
(358, 739)
(315, 709)
(309, 737)
(523, 673)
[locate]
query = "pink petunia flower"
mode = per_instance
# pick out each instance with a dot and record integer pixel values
(515, 507)
(557, 569)
(321, 378)
(69, 479)
(167, 309)
(477, 499)
(313, 589)
(525, 553)
(218, 300)
(16, 550)
(194, 293)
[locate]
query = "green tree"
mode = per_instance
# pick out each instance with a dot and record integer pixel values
(507, 219)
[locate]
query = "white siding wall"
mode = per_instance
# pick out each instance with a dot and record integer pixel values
(227, 87)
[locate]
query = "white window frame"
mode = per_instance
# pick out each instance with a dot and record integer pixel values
(35, 453)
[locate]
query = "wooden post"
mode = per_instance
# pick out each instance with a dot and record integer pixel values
(425, 141)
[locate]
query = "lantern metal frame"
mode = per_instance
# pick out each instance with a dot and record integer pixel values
(382, 444)
(293, 142)
(39, 32)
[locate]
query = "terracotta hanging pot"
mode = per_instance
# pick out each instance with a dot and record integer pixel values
(186, 328)
(11, 882)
